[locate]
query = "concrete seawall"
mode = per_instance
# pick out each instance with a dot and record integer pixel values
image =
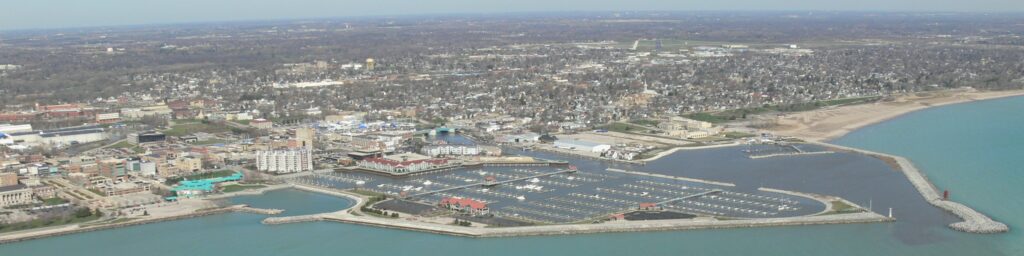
(973, 221)
(81, 229)
(607, 227)
(292, 219)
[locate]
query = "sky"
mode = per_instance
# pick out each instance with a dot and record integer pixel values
(41, 14)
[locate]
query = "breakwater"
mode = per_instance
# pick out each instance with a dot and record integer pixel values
(606, 227)
(973, 221)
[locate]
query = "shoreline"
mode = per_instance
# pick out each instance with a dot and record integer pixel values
(823, 125)
(681, 148)
(79, 228)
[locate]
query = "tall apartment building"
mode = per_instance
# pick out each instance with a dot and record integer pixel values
(284, 161)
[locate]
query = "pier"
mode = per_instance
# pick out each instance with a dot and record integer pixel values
(672, 177)
(689, 196)
(495, 183)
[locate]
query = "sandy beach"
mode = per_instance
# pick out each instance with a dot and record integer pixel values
(831, 123)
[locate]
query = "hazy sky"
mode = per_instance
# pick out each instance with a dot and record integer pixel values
(28, 14)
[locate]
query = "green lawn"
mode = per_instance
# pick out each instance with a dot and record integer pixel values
(97, 192)
(210, 142)
(190, 127)
(77, 217)
(645, 122)
(625, 128)
(739, 114)
(237, 187)
(54, 201)
(839, 207)
(738, 135)
(121, 144)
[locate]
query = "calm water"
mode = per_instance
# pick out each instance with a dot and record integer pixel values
(975, 150)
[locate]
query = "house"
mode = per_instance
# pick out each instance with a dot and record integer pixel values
(649, 207)
(464, 206)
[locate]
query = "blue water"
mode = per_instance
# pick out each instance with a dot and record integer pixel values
(975, 150)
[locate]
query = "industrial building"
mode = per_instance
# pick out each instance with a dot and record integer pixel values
(581, 145)
(284, 161)
(140, 138)
(60, 137)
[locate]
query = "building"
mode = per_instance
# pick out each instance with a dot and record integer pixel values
(261, 123)
(61, 137)
(450, 150)
(138, 113)
(381, 142)
(680, 123)
(108, 118)
(464, 206)
(371, 64)
(112, 168)
(649, 207)
(581, 145)
(188, 164)
(284, 161)
(15, 128)
(15, 195)
(305, 136)
(140, 138)
(125, 188)
(528, 137)
(8, 179)
(403, 163)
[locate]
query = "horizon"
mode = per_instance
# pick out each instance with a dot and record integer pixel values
(121, 13)
(511, 14)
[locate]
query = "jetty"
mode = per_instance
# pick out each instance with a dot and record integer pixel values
(973, 221)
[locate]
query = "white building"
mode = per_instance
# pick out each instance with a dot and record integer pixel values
(581, 145)
(284, 161)
(15, 195)
(15, 128)
(450, 150)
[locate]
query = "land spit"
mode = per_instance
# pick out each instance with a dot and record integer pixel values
(353, 216)
(973, 221)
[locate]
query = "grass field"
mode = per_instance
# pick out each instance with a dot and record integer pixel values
(183, 128)
(77, 217)
(54, 201)
(210, 142)
(739, 114)
(839, 206)
(625, 128)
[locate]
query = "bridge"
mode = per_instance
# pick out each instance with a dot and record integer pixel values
(490, 183)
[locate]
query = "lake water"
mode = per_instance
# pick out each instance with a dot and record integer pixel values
(975, 150)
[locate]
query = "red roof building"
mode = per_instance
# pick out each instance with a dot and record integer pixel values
(464, 205)
(649, 207)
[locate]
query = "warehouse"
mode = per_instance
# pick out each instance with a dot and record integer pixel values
(582, 145)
